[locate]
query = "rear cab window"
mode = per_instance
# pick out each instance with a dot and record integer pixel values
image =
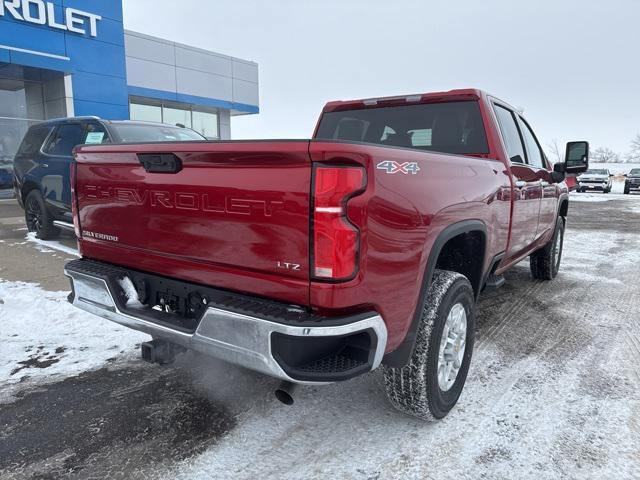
(447, 127)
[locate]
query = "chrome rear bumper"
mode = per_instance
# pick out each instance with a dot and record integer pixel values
(237, 338)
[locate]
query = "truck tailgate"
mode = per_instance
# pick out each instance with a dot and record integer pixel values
(228, 214)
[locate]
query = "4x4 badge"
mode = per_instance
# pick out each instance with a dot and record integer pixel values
(390, 166)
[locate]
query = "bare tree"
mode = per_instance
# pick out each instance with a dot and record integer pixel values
(634, 150)
(555, 152)
(604, 155)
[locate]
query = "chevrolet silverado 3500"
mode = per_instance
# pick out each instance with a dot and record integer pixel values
(315, 261)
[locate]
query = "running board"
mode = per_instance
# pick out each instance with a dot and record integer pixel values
(63, 225)
(495, 281)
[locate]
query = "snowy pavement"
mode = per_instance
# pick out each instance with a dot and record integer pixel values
(553, 390)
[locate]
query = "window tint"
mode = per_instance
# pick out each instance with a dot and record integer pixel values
(510, 134)
(533, 149)
(449, 127)
(33, 140)
(64, 139)
(95, 133)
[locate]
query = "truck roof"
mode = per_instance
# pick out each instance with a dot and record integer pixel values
(459, 94)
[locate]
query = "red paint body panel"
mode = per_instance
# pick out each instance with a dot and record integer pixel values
(237, 209)
(226, 219)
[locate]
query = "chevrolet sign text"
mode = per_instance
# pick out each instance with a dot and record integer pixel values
(40, 12)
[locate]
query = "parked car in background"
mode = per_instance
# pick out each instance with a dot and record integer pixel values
(632, 181)
(42, 164)
(595, 179)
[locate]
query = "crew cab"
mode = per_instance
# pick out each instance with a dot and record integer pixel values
(632, 181)
(41, 165)
(595, 179)
(315, 261)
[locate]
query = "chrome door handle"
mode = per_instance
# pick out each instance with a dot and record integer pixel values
(544, 183)
(521, 184)
(44, 165)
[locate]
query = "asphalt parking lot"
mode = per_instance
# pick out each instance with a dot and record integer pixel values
(553, 390)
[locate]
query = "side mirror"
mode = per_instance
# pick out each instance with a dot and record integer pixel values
(576, 159)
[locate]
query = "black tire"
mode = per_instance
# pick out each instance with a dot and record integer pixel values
(414, 389)
(545, 263)
(626, 190)
(38, 218)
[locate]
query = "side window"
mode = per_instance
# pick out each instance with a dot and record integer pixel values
(64, 139)
(33, 141)
(533, 149)
(510, 134)
(95, 133)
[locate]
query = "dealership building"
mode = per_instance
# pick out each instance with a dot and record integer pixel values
(63, 58)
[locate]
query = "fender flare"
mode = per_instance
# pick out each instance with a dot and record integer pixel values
(401, 355)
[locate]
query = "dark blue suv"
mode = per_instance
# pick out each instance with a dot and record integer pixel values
(41, 167)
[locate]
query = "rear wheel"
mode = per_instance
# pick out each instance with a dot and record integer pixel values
(429, 386)
(38, 218)
(545, 263)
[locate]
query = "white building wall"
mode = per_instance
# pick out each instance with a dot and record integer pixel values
(158, 64)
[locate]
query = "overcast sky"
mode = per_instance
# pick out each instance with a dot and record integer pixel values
(573, 66)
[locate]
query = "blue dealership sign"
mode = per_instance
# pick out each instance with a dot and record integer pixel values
(78, 37)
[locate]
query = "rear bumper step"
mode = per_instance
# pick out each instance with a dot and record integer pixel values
(280, 340)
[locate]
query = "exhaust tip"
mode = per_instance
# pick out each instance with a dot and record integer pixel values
(284, 393)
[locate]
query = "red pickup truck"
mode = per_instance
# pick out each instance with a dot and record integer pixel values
(318, 260)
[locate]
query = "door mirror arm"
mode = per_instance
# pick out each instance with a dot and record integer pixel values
(558, 175)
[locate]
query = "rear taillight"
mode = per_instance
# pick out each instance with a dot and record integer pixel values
(336, 241)
(74, 199)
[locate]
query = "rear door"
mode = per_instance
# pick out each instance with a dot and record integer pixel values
(527, 188)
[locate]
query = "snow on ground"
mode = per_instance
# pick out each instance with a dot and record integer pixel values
(553, 391)
(47, 246)
(589, 197)
(44, 338)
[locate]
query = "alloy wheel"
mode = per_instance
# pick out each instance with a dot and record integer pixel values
(452, 347)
